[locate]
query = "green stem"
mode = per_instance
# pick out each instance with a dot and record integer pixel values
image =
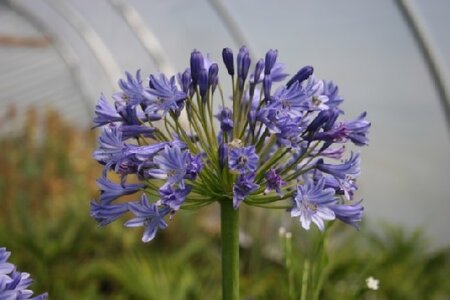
(305, 278)
(230, 250)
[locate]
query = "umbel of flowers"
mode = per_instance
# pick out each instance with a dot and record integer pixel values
(279, 143)
(14, 284)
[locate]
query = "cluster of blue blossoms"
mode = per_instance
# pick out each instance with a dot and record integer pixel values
(280, 145)
(13, 284)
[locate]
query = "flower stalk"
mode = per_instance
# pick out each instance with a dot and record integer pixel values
(229, 219)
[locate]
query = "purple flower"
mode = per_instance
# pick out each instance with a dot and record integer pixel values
(346, 186)
(194, 165)
(278, 73)
(243, 186)
(274, 182)
(348, 168)
(109, 191)
(173, 198)
(358, 130)
(132, 91)
(290, 100)
(111, 147)
(311, 204)
(134, 131)
(172, 164)
(331, 90)
(14, 285)
(132, 115)
(350, 214)
(166, 96)
(147, 215)
(104, 113)
(243, 159)
(107, 213)
(225, 117)
(5, 266)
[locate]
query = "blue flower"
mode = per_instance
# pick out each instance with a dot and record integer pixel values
(166, 96)
(172, 163)
(243, 186)
(133, 93)
(194, 165)
(107, 213)
(135, 131)
(109, 191)
(348, 168)
(173, 198)
(274, 182)
(350, 214)
(243, 159)
(5, 266)
(111, 146)
(104, 113)
(312, 202)
(147, 215)
(14, 285)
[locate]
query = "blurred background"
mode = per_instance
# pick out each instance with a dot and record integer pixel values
(56, 57)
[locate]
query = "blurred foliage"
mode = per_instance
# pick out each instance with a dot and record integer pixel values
(47, 178)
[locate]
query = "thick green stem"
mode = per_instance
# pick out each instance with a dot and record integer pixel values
(230, 250)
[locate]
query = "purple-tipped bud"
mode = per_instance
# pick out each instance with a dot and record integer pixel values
(203, 82)
(301, 75)
(185, 81)
(267, 85)
(319, 120)
(256, 76)
(223, 154)
(334, 114)
(225, 116)
(271, 58)
(243, 64)
(227, 55)
(213, 76)
(196, 65)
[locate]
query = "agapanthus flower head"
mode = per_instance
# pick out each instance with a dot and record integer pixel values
(14, 285)
(276, 144)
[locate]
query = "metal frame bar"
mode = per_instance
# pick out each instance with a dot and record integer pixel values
(429, 53)
(145, 36)
(91, 38)
(65, 52)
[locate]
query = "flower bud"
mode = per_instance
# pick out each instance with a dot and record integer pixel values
(301, 75)
(227, 55)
